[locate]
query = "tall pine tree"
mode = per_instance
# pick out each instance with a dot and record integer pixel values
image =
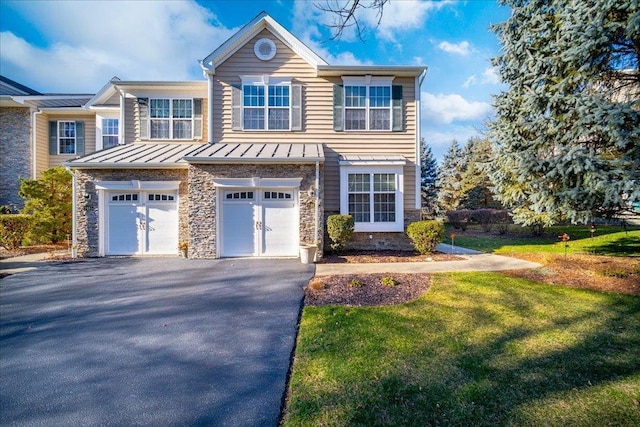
(450, 178)
(567, 129)
(428, 180)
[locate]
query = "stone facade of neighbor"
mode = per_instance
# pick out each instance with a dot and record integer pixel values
(87, 201)
(202, 212)
(15, 153)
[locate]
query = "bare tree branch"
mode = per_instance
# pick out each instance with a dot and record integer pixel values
(345, 15)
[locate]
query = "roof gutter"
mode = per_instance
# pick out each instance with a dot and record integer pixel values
(243, 160)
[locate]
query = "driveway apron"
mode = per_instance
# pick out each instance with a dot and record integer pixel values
(148, 341)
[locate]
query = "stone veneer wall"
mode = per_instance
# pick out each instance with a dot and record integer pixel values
(15, 153)
(87, 201)
(202, 212)
(387, 241)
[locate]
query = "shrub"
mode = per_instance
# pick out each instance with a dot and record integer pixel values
(502, 220)
(13, 229)
(388, 281)
(316, 284)
(356, 283)
(460, 219)
(484, 217)
(425, 235)
(340, 229)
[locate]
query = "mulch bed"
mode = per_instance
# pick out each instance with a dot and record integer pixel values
(336, 290)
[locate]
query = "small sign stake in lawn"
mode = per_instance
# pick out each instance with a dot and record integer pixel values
(453, 236)
(565, 239)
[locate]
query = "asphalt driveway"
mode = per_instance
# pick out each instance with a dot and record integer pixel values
(148, 341)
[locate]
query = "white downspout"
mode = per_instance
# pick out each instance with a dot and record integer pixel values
(316, 225)
(74, 221)
(34, 170)
(210, 108)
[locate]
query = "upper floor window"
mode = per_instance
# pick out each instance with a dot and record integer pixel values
(266, 107)
(368, 104)
(109, 133)
(266, 103)
(66, 137)
(171, 118)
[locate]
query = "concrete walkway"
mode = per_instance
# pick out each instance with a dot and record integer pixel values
(23, 263)
(473, 261)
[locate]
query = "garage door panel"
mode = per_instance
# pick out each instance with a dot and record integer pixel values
(123, 237)
(239, 224)
(280, 229)
(162, 226)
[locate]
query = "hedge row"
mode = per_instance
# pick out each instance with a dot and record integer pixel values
(13, 229)
(487, 218)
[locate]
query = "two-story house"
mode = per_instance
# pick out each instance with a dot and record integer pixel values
(251, 160)
(39, 131)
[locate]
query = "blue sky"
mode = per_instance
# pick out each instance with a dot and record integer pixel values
(75, 46)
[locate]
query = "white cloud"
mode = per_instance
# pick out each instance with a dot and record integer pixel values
(440, 138)
(443, 108)
(400, 16)
(463, 48)
(135, 40)
(491, 76)
(470, 81)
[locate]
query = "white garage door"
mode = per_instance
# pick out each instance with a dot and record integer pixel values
(141, 223)
(259, 223)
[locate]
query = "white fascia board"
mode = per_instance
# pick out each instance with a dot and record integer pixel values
(125, 165)
(372, 162)
(106, 92)
(242, 160)
(367, 80)
(67, 110)
(374, 70)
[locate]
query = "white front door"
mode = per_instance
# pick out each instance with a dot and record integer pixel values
(258, 222)
(141, 223)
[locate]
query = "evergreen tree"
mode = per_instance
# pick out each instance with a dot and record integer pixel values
(48, 201)
(475, 183)
(567, 129)
(450, 178)
(428, 178)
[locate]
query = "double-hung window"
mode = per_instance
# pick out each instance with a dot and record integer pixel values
(66, 137)
(373, 195)
(266, 105)
(171, 118)
(367, 107)
(368, 103)
(109, 133)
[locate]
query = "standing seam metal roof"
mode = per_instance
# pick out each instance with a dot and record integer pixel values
(141, 155)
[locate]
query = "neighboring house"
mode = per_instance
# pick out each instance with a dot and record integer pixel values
(15, 137)
(251, 161)
(39, 131)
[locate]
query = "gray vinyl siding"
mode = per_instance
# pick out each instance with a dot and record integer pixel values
(130, 124)
(317, 116)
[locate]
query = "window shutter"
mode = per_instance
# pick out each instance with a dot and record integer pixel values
(197, 118)
(296, 107)
(236, 108)
(397, 109)
(80, 138)
(338, 108)
(143, 116)
(53, 138)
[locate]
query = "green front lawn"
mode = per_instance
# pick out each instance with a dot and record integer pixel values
(477, 349)
(608, 240)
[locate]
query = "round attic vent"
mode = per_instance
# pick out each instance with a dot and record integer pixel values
(265, 49)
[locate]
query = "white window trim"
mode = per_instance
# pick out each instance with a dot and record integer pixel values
(370, 168)
(99, 117)
(75, 137)
(368, 81)
(170, 118)
(265, 80)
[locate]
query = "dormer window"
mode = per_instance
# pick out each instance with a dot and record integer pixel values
(170, 118)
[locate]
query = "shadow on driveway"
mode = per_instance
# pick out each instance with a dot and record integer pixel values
(148, 341)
